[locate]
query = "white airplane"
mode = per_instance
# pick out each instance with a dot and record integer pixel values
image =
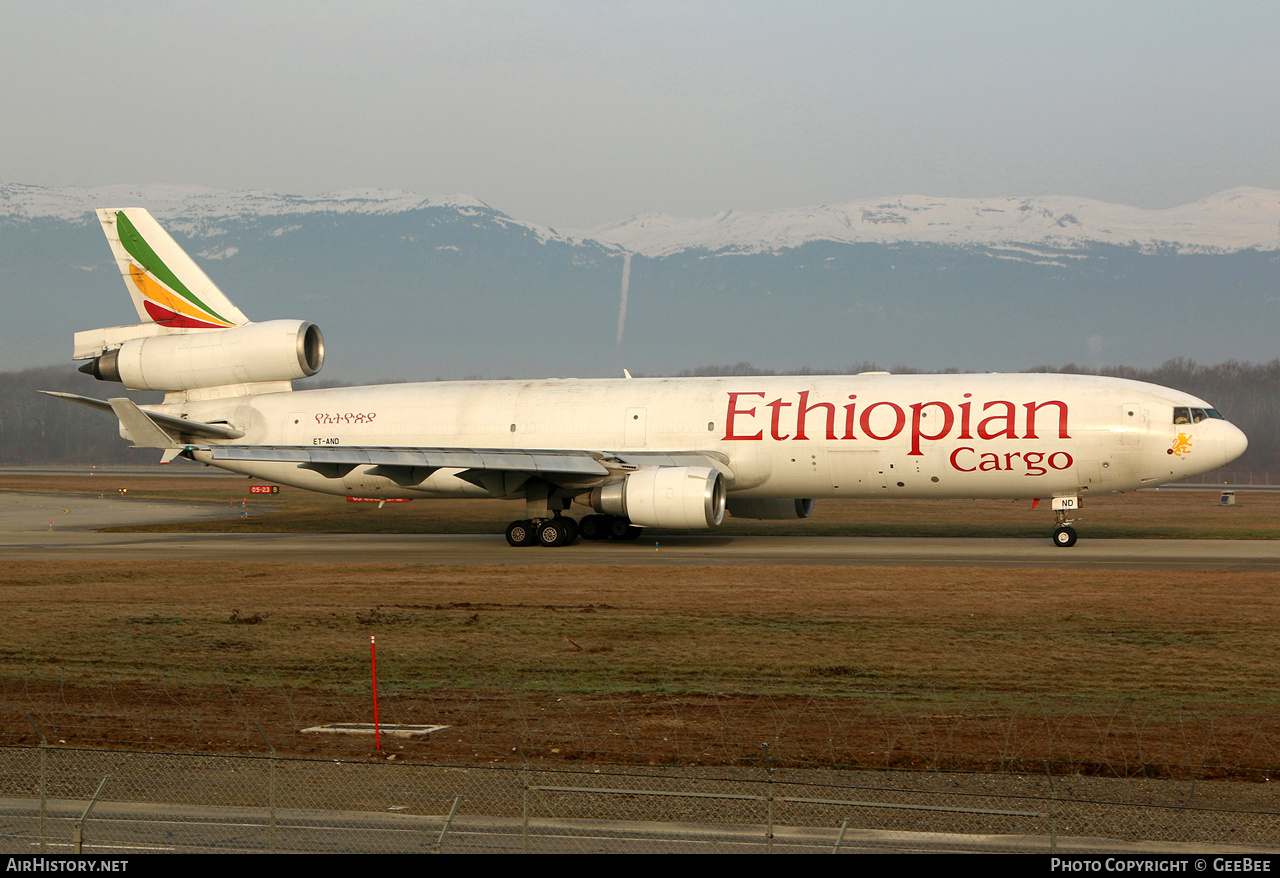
(630, 453)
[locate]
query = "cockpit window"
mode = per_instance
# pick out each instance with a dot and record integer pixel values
(1188, 415)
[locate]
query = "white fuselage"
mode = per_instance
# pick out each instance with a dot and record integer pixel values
(966, 436)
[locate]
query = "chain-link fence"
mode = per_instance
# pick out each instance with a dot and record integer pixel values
(63, 800)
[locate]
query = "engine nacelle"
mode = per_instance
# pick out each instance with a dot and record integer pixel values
(675, 496)
(276, 350)
(775, 510)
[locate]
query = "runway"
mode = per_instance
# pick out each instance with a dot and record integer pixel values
(42, 526)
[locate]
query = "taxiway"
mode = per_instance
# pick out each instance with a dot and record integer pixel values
(34, 526)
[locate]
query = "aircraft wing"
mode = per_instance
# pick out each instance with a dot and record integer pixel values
(410, 466)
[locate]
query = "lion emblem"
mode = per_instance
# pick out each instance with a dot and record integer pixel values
(1181, 445)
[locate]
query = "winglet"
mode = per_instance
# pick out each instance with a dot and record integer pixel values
(166, 285)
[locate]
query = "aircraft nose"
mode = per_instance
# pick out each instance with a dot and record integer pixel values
(1234, 443)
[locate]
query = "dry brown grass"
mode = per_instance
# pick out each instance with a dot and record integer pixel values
(1098, 670)
(1171, 637)
(941, 666)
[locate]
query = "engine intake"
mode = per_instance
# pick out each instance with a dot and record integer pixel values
(676, 496)
(276, 350)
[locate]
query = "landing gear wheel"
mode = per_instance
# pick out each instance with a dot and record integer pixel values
(553, 532)
(521, 533)
(1064, 536)
(621, 529)
(573, 529)
(595, 527)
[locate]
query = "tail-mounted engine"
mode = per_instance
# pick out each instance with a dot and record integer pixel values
(675, 496)
(275, 350)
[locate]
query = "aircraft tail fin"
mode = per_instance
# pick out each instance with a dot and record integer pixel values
(191, 337)
(167, 287)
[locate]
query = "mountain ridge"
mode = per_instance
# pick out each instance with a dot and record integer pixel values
(407, 287)
(1243, 218)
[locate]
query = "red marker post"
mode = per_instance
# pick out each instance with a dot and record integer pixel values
(373, 657)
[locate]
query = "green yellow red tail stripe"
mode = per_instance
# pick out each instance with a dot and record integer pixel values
(166, 299)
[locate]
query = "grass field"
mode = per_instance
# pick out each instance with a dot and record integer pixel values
(1112, 671)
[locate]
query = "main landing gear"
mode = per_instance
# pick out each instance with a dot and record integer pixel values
(561, 530)
(557, 531)
(1064, 535)
(547, 525)
(608, 527)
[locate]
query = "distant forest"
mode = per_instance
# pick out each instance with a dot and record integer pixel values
(36, 429)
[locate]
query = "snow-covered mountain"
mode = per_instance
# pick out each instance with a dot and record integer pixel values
(406, 286)
(1237, 219)
(202, 211)
(168, 202)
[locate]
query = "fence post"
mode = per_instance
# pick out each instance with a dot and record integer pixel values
(448, 821)
(768, 834)
(840, 837)
(1053, 810)
(77, 834)
(525, 781)
(44, 786)
(271, 788)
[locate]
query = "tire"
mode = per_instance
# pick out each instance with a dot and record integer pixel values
(521, 533)
(552, 533)
(572, 530)
(594, 527)
(1064, 537)
(621, 529)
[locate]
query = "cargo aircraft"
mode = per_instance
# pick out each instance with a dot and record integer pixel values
(621, 454)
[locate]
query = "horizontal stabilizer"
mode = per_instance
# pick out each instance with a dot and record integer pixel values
(93, 342)
(167, 423)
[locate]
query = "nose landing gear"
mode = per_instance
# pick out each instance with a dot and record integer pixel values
(1064, 535)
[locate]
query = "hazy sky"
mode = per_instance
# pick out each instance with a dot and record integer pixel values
(580, 113)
